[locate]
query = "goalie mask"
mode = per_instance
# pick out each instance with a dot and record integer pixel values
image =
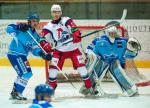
(111, 33)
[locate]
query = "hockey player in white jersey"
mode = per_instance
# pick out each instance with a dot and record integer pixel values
(109, 53)
(58, 31)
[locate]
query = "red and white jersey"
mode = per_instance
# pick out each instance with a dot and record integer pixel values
(60, 33)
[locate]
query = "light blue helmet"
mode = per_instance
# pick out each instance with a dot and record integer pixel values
(33, 15)
(44, 89)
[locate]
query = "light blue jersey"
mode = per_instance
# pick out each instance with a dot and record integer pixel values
(40, 104)
(109, 51)
(112, 59)
(19, 49)
(22, 43)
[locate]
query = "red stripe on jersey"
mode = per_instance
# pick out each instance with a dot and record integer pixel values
(45, 32)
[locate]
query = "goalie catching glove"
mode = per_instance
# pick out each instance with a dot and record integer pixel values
(133, 45)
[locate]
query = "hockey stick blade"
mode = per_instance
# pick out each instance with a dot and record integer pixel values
(22, 101)
(123, 15)
(143, 84)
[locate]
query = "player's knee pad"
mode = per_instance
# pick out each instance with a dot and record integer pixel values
(83, 71)
(53, 73)
(53, 82)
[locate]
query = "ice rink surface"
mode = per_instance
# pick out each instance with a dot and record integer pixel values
(73, 98)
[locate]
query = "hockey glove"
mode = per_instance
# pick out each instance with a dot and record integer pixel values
(46, 46)
(47, 57)
(22, 27)
(76, 36)
(133, 45)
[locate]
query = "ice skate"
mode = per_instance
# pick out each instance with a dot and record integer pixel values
(88, 91)
(16, 95)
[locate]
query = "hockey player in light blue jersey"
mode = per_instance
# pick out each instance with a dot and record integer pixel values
(109, 52)
(19, 48)
(43, 95)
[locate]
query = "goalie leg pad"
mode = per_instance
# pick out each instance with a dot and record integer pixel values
(131, 92)
(121, 78)
(96, 76)
(98, 72)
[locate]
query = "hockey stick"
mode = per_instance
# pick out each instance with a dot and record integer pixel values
(121, 20)
(143, 84)
(96, 31)
(52, 62)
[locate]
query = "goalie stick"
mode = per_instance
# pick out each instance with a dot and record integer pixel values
(65, 75)
(121, 20)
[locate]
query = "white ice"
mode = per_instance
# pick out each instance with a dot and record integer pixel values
(8, 75)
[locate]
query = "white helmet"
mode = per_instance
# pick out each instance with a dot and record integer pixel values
(55, 7)
(111, 29)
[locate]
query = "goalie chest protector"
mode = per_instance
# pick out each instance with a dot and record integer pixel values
(105, 48)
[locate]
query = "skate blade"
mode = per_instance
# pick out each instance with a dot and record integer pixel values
(15, 101)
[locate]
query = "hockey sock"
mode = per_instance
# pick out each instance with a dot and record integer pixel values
(87, 81)
(20, 84)
(53, 78)
(53, 82)
(84, 74)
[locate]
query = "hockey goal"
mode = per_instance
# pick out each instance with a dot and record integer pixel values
(73, 75)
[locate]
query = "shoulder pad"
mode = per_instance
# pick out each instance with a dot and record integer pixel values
(48, 26)
(65, 19)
